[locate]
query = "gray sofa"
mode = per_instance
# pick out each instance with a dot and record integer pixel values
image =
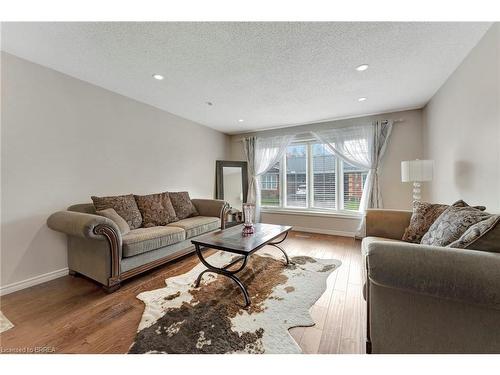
(427, 299)
(97, 250)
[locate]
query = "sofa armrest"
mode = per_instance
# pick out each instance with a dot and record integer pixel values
(210, 207)
(387, 223)
(83, 225)
(467, 276)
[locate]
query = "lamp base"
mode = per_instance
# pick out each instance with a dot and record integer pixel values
(417, 191)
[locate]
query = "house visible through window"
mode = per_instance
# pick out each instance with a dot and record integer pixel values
(354, 181)
(270, 181)
(270, 187)
(296, 176)
(313, 179)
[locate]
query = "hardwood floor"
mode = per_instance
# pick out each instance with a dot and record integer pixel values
(73, 315)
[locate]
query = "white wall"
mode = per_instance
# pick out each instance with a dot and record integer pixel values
(405, 144)
(462, 129)
(64, 140)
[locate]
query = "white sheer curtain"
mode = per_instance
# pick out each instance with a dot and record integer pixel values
(262, 154)
(362, 146)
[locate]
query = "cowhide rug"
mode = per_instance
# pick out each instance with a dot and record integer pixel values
(5, 323)
(210, 319)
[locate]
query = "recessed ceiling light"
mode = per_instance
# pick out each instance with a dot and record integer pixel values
(159, 77)
(362, 67)
(241, 120)
(361, 99)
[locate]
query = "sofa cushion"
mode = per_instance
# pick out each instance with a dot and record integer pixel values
(452, 224)
(117, 219)
(142, 240)
(484, 236)
(424, 215)
(156, 209)
(194, 226)
(183, 206)
(124, 205)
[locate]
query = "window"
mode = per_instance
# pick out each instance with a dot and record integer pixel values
(270, 187)
(270, 181)
(296, 178)
(324, 177)
(354, 181)
(311, 177)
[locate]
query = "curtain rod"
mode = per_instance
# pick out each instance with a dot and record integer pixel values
(396, 121)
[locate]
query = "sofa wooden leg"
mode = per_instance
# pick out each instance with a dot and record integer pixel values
(111, 289)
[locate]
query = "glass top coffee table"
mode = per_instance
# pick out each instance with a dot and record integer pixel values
(232, 240)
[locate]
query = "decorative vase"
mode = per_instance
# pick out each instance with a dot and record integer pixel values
(248, 211)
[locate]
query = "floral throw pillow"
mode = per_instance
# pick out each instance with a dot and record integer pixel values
(183, 206)
(156, 209)
(124, 205)
(452, 224)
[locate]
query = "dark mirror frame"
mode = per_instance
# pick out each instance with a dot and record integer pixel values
(219, 177)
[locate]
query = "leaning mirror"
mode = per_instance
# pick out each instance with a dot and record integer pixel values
(232, 186)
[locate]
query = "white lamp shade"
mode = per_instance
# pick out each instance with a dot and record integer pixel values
(416, 170)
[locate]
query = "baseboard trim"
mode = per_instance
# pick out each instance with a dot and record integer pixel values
(331, 232)
(32, 281)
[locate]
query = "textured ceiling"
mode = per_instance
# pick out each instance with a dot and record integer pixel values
(269, 74)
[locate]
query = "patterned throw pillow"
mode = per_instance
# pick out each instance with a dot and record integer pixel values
(156, 209)
(452, 224)
(124, 205)
(484, 236)
(424, 214)
(117, 219)
(182, 205)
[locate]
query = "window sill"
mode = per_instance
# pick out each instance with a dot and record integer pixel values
(289, 211)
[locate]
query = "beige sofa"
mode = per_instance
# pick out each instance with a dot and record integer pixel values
(427, 299)
(97, 250)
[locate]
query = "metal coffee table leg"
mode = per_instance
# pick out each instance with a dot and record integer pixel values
(276, 245)
(232, 274)
(223, 271)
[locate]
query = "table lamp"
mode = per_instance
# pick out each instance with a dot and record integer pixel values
(416, 171)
